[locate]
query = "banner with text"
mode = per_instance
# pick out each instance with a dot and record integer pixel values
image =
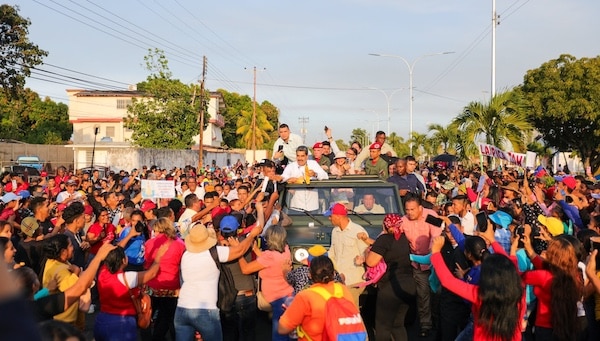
(158, 189)
(512, 157)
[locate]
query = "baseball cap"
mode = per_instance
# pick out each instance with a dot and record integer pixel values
(318, 145)
(24, 194)
(501, 218)
(71, 182)
(554, 225)
(375, 145)
(8, 197)
(147, 205)
(570, 182)
(229, 224)
(88, 209)
(29, 225)
(448, 185)
(337, 209)
(316, 251)
(267, 163)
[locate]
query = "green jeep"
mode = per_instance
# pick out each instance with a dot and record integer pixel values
(366, 198)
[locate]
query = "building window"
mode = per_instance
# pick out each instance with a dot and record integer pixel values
(110, 131)
(123, 103)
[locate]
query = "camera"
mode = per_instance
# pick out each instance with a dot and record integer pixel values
(139, 227)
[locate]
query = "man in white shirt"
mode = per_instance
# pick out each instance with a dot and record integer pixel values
(369, 206)
(462, 207)
(346, 249)
(193, 187)
(286, 144)
(69, 193)
(295, 173)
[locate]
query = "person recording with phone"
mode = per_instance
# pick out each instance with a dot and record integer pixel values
(284, 148)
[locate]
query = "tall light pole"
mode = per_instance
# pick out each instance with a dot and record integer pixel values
(411, 67)
(387, 99)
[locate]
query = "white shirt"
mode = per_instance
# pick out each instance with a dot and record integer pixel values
(200, 289)
(62, 196)
(468, 224)
(345, 246)
(289, 147)
(185, 220)
(304, 199)
(293, 170)
(376, 209)
(199, 192)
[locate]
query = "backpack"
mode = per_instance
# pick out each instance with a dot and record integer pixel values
(373, 274)
(227, 290)
(342, 318)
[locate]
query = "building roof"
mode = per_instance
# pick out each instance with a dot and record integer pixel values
(106, 93)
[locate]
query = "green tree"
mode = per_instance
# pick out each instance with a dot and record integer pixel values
(244, 124)
(165, 117)
(421, 144)
(398, 144)
(343, 146)
(28, 118)
(444, 136)
(360, 135)
(236, 103)
(564, 99)
(500, 122)
(18, 55)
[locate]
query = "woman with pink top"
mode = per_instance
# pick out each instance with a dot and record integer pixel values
(164, 288)
(270, 264)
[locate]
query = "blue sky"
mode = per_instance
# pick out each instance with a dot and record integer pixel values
(316, 53)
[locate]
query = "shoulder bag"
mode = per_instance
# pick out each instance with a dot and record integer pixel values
(142, 304)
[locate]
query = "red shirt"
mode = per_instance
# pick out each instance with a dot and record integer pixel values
(97, 229)
(542, 282)
(168, 276)
(114, 295)
(470, 293)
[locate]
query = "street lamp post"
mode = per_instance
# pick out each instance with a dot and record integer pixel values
(388, 98)
(410, 81)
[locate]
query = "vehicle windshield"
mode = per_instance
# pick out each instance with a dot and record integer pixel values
(361, 200)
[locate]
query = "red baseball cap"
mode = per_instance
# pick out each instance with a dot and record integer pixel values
(318, 145)
(147, 205)
(337, 209)
(570, 182)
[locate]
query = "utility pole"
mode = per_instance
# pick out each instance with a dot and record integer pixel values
(202, 109)
(253, 125)
(303, 121)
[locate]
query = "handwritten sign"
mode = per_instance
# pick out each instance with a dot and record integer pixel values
(512, 157)
(158, 189)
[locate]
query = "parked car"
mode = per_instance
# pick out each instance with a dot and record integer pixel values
(26, 172)
(30, 161)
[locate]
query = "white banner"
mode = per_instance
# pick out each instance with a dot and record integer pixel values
(158, 189)
(512, 157)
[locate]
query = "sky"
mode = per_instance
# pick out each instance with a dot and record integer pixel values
(313, 57)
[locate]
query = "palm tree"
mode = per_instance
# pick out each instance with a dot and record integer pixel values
(421, 144)
(244, 128)
(442, 135)
(398, 144)
(503, 120)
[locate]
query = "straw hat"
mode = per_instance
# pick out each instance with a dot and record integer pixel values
(199, 239)
(513, 186)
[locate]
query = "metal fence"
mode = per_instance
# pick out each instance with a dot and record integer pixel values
(53, 156)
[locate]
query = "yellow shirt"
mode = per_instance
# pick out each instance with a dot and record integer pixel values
(65, 279)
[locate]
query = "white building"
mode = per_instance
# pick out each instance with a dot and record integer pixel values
(98, 124)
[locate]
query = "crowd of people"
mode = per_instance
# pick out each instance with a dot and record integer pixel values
(479, 254)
